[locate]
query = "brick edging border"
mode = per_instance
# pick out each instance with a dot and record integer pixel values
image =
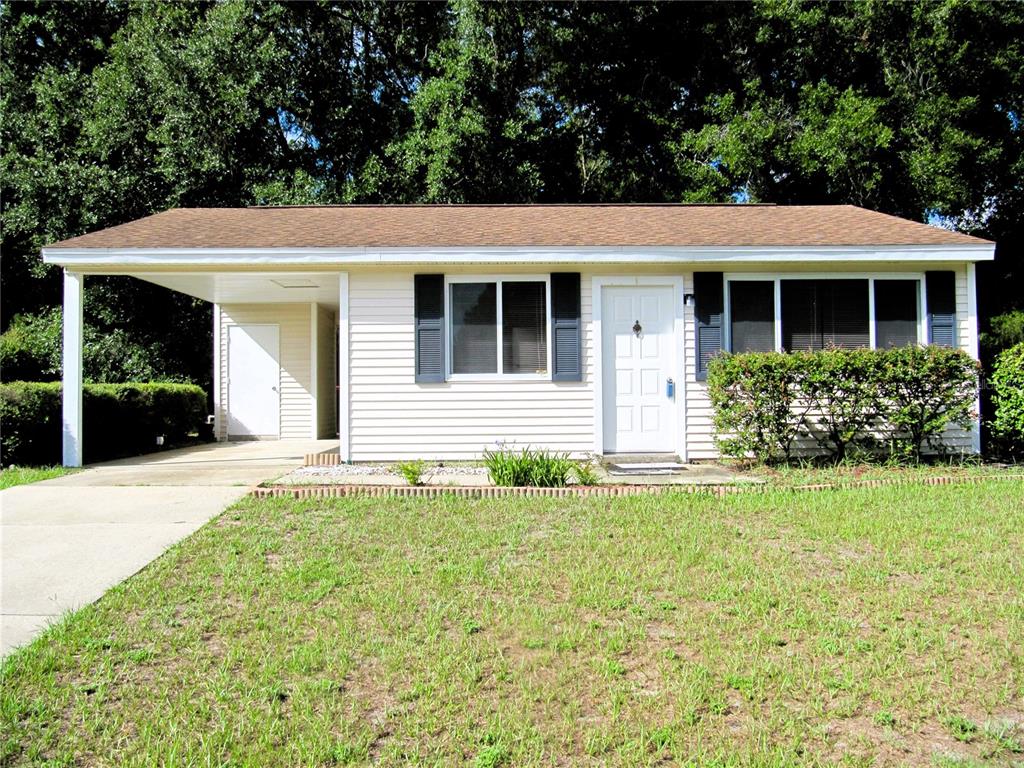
(490, 492)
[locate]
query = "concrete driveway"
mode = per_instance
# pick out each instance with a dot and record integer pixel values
(64, 542)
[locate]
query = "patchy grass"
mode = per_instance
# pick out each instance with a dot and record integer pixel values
(853, 628)
(13, 476)
(806, 474)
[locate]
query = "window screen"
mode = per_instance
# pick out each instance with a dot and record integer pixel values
(821, 313)
(524, 327)
(752, 315)
(896, 312)
(474, 328)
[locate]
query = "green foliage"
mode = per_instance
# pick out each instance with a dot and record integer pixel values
(924, 390)
(118, 419)
(900, 400)
(1005, 330)
(412, 471)
(1008, 385)
(840, 389)
(756, 407)
(112, 111)
(517, 469)
(586, 474)
(30, 350)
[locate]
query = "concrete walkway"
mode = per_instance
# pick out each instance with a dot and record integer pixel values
(64, 542)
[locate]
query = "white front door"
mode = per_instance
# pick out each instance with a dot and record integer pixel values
(254, 378)
(639, 358)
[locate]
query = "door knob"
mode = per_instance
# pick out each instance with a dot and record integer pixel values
(637, 328)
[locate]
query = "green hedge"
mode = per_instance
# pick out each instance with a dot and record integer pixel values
(894, 402)
(1008, 387)
(118, 419)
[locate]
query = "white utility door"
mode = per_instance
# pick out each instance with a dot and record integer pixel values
(254, 378)
(639, 358)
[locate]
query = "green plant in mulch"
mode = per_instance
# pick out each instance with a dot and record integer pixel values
(412, 471)
(544, 469)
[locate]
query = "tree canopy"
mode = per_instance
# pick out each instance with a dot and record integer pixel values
(114, 110)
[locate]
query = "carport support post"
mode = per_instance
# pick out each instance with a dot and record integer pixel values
(72, 391)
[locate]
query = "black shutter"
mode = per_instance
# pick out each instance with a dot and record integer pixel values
(707, 289)
(429, 328)
(940, 288)
(566, 328)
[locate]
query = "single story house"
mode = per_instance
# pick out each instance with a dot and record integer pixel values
(437, 331)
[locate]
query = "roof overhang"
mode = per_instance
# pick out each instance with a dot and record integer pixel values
(99, 258)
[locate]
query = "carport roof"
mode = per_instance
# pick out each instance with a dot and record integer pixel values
(490, 226)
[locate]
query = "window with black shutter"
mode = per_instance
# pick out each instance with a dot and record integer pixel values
(752, 315)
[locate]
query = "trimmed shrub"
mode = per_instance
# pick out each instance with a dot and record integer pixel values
(841, 392)
(118, 419)
(899, 400)
(1008, 388)
(925, 390)
(755, 397)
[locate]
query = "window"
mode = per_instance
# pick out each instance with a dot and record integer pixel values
(811, 313)
(474, 327)
(752, 319)
(499, 327)
(824, 313)
(896, 312)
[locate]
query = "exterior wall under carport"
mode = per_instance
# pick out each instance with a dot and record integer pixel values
(307, 366)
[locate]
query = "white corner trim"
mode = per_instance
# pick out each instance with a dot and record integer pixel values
(71, 393)
(344, 390)
(97, 258)
(972, 348)
(217, 373)
(314, 353)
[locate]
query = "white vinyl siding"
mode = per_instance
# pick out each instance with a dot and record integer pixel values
(297, 402)
(393, 417)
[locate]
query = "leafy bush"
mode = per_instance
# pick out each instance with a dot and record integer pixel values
(585, 474)
(30, 350)
(840, 391)
(412, 471)
(118, 419)
(903, 398)
(527, 467)
(1008, 387)
(755, 400)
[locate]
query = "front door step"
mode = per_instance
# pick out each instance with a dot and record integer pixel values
(647, 468)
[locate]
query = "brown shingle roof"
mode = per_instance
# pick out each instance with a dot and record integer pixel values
(404, 226)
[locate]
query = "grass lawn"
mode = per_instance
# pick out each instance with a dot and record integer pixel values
(24, 475)
(788, 476)
(856, 627)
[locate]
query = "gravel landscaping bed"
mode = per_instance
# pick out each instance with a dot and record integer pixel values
(346, 473)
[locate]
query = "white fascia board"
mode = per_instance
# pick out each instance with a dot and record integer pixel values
(297, 257)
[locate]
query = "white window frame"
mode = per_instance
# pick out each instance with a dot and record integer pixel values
(776, 279)
(450, 280)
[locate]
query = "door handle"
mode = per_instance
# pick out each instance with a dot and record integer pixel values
(670, 388)
(274, 388)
